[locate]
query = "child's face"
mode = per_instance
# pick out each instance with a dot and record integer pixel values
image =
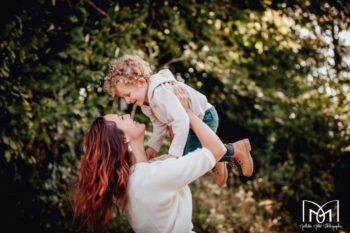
(133, 93)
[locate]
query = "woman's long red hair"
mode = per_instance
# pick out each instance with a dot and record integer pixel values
(103, 175)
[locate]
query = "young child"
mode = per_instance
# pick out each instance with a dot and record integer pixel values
(130, 78)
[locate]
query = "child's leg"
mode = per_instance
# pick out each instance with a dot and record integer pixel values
(228, 155)
(192, 143)
(210, 118)
(235, 152)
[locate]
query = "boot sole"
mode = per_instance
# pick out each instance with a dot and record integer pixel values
(248, 148)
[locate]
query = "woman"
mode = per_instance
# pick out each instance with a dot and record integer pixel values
(154, 194)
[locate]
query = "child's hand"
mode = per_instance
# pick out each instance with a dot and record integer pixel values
(151, 153)
(182, 94)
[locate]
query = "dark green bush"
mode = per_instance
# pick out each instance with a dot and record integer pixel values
(266, 80)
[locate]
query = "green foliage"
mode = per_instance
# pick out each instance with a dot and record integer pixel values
(268, 82)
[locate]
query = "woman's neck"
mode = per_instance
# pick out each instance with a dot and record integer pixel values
(138, 150)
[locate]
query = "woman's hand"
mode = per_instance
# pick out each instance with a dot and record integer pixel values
(182, 94)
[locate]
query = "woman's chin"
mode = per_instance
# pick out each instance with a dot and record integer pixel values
(143, 128)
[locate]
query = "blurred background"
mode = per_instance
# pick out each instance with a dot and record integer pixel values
(277, 72)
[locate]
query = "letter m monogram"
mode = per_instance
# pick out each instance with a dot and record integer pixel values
(320, 213)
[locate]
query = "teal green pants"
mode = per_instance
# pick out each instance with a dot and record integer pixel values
(210, 118)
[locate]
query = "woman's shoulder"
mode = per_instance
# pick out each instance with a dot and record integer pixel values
(158, 158)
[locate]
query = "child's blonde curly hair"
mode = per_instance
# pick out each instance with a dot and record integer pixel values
(127, 69)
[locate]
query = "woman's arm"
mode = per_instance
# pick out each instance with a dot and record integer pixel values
(206, 136)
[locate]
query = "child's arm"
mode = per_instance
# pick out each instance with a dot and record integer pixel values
(169, 105)
(151, 153)
(158, 134)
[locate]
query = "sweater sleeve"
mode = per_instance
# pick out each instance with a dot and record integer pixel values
(159, 131)
(173, 174)
(169, 104)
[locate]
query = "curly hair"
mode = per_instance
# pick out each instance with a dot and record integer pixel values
(128, 69)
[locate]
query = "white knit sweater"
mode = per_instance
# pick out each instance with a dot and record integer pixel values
(159, 199)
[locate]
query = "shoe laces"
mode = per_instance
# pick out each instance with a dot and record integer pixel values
(215, 171)
(234, 163)
(238, 161)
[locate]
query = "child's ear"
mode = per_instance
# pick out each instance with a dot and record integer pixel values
(141, 82)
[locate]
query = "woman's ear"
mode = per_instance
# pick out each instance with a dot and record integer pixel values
(126, 139)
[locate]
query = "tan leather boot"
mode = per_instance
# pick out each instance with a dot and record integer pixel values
(242, 156)
(220, 174)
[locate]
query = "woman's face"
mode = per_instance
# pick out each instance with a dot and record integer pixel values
(132, 129)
